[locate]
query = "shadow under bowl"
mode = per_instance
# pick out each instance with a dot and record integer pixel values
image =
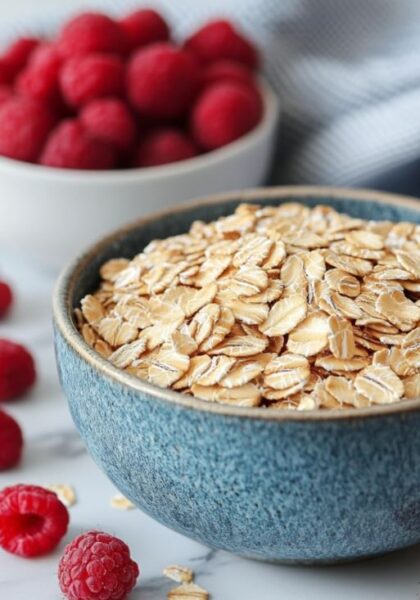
(306, 487)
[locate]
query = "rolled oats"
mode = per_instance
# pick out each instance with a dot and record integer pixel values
(284, 307)
(178, 573)
(188, 591)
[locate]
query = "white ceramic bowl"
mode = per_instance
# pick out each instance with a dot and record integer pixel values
(52, 213)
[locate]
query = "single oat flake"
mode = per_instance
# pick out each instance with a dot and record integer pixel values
(120, 502)
(188, 591)
(277, 307)
(178, 573)
(65, 493)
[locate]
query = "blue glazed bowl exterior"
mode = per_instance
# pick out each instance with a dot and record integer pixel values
(302, 487)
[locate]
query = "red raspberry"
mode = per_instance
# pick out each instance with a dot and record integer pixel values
(110, 121)
(97, 565)
(5, 75)
(32, 520)
(219, 40)
(70, 147)
(227, 70)
(162, 146)
(39, 80)
(24, 127)
(18, 53)
(85, 78)
(11, 441)
(223, 113)
(17, 370)
(6, 93)
(144, 27)
(6, 298)
(90, 32)
(162, 81)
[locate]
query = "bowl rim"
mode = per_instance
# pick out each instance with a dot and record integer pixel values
(63, 321)
(213, 158)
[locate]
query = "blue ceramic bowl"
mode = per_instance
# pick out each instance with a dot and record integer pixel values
(312, 487)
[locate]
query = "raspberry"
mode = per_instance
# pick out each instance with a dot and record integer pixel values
(18, 53)
(110, 121)
(97, 565)
(6, 93)
(5, 75)
(223, 113)
(162, 146)
(32, 520)
(227, 70)
(144, 27)
(70, 147)
(162, 81)
(17, 370)
(11, 441)
(85, 78)
(219, 40)
(39, 80)
(24, 127)
(6, 298)
(90, 32)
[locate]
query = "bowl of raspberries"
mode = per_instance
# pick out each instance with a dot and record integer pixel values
(109, 118)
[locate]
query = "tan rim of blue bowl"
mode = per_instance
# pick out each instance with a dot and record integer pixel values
(62, 310)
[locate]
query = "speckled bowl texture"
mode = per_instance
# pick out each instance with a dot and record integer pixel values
(307, 487)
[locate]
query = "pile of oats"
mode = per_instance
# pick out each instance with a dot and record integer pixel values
(282, 307)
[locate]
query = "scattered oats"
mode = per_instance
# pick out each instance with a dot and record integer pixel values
(188, 591)
(179, 574)
(65, 493)
(120, 502)
(285, 307)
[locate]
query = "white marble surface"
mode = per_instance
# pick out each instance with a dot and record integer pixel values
(55, 453)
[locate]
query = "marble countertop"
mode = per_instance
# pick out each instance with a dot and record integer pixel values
(55, 454)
